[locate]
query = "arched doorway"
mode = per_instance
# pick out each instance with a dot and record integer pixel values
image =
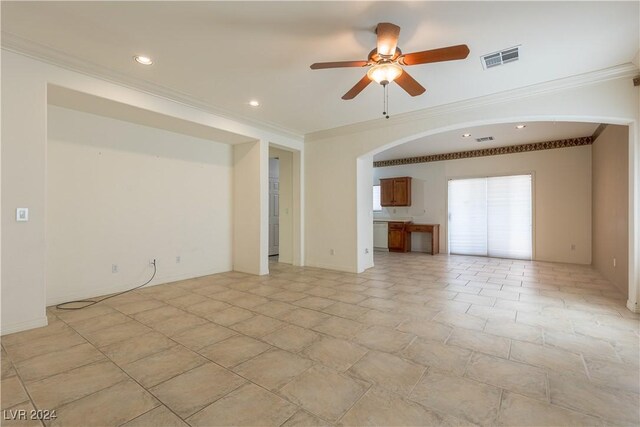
(365, 177)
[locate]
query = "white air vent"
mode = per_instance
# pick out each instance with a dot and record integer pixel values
(485, 139)
(503, 57)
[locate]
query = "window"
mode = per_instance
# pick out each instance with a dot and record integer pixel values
(376, 199)
(491, 216)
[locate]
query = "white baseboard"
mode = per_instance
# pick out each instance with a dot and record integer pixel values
(105, 290)
(633, 306)
(330, 267)
(23, 326)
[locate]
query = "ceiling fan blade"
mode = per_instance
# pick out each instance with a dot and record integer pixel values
(450, 53)
(359, 87)
(387, 38)
(409, 84)
(340, 64)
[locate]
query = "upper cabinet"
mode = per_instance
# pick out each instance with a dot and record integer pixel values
(395, 191)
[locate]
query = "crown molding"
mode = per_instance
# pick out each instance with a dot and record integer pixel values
(627, 70)
(22, 46)
(484, 152)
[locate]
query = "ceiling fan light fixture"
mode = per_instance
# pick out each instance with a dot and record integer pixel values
(384, 73)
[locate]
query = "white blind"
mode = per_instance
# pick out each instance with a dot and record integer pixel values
(509, 216)
(491, 216)
(468, 216)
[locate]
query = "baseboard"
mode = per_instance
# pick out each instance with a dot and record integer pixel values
(633, 307)
(330, 267)
(105, 290)
(23, 326)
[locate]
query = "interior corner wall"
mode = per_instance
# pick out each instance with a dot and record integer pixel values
(122, 194)
(611, 205)
(286, 203)
(251, 196)
(365, 198)
(24, 137)
(561, 197)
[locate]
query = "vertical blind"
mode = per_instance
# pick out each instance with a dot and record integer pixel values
(468, 216)
(491, 216)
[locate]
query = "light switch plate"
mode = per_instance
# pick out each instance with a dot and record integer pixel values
(22, 214)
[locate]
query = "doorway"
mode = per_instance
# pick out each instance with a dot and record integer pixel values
(274, 206)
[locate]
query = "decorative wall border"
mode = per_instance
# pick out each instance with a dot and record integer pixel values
(511, 149)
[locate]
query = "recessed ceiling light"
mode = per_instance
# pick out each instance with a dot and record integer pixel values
(521, 126)
(466, 135)
(144, 60)
(254, 103)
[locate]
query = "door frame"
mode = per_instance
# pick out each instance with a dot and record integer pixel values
(297, 205)
(275, 236)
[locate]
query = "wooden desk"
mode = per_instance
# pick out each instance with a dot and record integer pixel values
(434, 229)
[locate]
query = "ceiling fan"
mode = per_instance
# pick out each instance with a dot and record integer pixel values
(386, 61)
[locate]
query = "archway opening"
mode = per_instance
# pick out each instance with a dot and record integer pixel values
(576, 196)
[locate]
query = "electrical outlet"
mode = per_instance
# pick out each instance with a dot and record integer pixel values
(114, 268)
(178, 259)
(332, 252)
(366, 250)
(152, 261)
(573, 246)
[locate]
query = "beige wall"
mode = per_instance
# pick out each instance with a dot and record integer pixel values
(611, 205)
(122, 194)
(561, 201)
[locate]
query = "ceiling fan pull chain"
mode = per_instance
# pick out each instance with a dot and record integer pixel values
(386, 101)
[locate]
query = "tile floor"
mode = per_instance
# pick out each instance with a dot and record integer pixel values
(417, 340)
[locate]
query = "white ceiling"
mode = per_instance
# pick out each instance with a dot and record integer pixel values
(223, 54)
(505, 134)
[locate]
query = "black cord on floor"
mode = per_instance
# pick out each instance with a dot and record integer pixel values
(90, 302)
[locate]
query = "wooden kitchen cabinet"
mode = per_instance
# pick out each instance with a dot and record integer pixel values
(395, 191)
(398, 241)
(386, 192)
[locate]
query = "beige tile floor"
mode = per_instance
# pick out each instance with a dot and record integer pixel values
(417, 340)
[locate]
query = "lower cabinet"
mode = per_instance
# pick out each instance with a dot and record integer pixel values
(398, 241)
